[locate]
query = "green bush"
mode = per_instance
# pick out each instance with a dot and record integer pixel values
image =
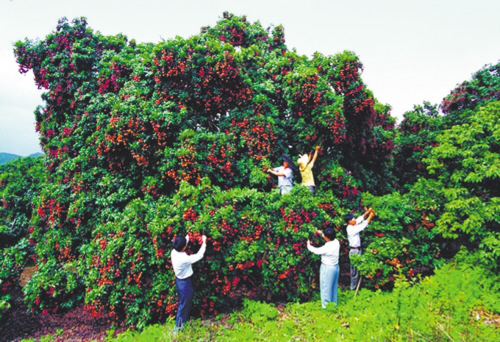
(20, 182)
(456, 303)
(147, 141)
(466, 165)
(144, 142)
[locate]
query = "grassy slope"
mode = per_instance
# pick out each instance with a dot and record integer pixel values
(461, 302)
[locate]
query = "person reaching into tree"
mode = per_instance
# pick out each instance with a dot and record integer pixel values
(305, 167)
(285, 174)
(329, 269)
(181, 263)
(354, 227)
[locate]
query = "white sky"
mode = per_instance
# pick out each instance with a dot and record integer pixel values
(412, 51)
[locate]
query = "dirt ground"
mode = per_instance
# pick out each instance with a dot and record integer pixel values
(74, 325)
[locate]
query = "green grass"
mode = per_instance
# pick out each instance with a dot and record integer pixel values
(459, 303)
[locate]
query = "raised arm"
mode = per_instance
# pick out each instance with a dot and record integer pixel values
(309, 158)
(276, 173)
(317, 250)
(315, 155)
(370, 217)
(191, 259)
(367, 212)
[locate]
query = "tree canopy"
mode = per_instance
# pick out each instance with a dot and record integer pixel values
(144, 142)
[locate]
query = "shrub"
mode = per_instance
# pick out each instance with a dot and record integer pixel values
(144, 142)
(459, 302)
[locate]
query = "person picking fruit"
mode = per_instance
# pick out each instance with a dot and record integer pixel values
(285, 174)
(181, 263)
(329, 269)
(305, 167)
(354, 227)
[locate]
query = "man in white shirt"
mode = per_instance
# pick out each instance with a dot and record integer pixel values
(354, 227)
(181, 263)
(329, 269)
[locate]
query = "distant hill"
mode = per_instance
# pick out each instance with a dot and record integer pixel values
(34, 155)
(5, 157)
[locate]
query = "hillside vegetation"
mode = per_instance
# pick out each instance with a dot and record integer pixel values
(5, 157)
(454, 304)
(144, 142)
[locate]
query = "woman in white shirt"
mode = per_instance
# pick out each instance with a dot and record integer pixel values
(329, 269)
(285, 174)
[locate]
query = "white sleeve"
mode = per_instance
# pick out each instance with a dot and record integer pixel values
(358, 228)
(317, 250)
(360, 219)
(191, 259)
(336, 248)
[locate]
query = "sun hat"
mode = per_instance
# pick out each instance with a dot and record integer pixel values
(302, 161)
(290, 162)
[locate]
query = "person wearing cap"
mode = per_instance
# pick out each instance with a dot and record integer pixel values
(181, 263)
(285, 175)
(329, 269)
(305, 167)
(354, 227)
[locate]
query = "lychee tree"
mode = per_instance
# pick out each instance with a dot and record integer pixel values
(416, 138)
(144, 142)
(20, 182)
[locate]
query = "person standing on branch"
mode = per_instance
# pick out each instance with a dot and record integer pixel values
(285, 174)
(329, 269)
(305, 167)
(354, 227)
(181, 263)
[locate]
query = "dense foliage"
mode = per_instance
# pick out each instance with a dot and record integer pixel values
(417, 136)
(144, 142)
(5, 157)
(467, 167)
(458, 303)
(20, 182)
(484, 87)
(450, 165)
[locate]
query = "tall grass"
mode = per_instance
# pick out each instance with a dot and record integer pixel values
(459, 303)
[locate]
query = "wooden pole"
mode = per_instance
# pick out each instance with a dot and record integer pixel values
(357, 288)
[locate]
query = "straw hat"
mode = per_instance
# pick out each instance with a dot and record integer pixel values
(302, 161)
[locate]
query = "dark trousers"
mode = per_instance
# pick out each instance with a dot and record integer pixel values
(185, 290)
